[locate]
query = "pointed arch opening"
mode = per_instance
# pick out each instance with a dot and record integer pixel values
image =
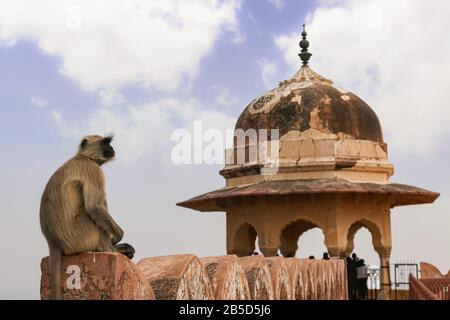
(363, 239)
(245, 240)
(302, 238)
(366, 229)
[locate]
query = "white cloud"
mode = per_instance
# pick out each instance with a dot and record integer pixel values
(279, 4)
(238, 38)
(138, 131)
(331, 2)
(224, 96)
(110, 97)
(269, 71)
(145, 130)
(251, 17)
(106, 44)
(393, 54)
(58, 117)
(38, 102)
(67, 130)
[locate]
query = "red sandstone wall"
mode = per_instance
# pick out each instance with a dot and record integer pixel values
(184, 277)
(98, 276)
(429, 271)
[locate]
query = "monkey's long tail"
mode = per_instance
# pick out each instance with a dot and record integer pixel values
(55, 273)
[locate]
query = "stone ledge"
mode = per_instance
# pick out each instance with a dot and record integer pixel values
(258, 277)
(227, 277)
(297, 286)
(281, 282)
(112, 276)
(177, 277)
(97, 276)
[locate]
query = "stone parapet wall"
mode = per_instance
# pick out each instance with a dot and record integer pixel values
(98, 276)
(177, 277)
(112, 276)
(227, 277)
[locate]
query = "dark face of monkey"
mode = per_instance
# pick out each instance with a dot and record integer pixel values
(97, 148)
(108, 151)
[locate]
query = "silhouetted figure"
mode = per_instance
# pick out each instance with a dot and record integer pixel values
(255, 253)
(354, 257)
(351, 278)
(326, 256)
(362, 273)
(311, 258)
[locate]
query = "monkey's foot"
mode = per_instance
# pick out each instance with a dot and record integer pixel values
(126, 249)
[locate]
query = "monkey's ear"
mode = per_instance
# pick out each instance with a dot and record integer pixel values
(83, 143)
(108, 138)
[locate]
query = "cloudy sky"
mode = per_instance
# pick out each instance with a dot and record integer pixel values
(143, 68)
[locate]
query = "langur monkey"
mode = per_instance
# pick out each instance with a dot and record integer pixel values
(73, 214)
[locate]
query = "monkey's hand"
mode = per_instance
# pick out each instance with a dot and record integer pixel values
(118, 233)
(126, 249)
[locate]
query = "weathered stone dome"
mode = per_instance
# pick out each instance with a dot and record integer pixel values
(308, 100)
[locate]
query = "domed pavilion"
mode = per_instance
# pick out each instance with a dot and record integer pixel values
(333, 173)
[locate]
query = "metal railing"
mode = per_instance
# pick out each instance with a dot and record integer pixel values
(373, 280)
(407, 283)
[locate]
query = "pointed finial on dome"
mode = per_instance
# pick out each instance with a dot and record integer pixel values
(304, 44)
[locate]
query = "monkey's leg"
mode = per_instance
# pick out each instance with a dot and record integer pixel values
(126, 249)
(105, 245)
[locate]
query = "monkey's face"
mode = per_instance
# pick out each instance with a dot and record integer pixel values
(108, 151)
(97, 148)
